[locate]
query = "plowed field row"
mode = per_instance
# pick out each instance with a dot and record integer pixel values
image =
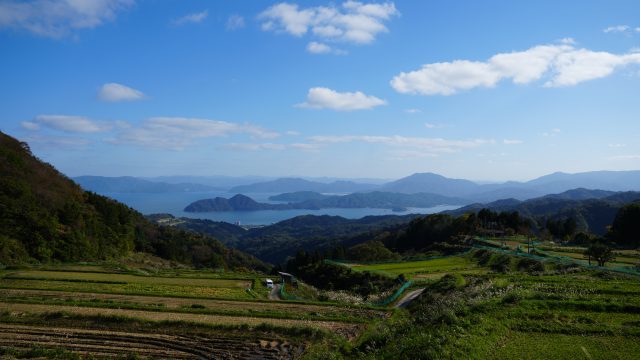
(112, 343)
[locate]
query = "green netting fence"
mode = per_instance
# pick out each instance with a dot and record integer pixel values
(286, 296)
(394, 296)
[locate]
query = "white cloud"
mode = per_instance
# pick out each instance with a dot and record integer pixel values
(255, 147)
(354, 22)
(58, 18)
(433, 145)
(235, 22)
(318, 48)
(293, 133)
(616, 146)
(30, 125)
(411, 154)
(553, 132)
(625, 157)
(433, 126)
(194, 18)
(562, 63)
(315, 47)
(56, 142)
(412, 111)
(270, 146)
(113, 92)
(616, 29)
(67, 123)
(325, 98)
(177, 133)
(512, 142)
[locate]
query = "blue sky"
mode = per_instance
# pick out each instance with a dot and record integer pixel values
(491, 90)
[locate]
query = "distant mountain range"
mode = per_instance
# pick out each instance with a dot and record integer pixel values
(417, 183)
(314, 201)
(128, 184)
(297, 184)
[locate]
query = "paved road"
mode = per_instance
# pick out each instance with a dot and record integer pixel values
(408, 298)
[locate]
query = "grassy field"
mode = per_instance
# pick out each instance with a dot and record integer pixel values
(426, 269)
(59, 310)
(513, 308)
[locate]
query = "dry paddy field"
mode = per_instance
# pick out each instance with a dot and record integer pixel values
(113, 315)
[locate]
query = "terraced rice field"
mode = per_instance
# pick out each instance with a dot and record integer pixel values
(425, 269)
(92, 312)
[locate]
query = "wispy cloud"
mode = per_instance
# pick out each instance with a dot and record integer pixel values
(563, 64)
(512, 142)
(235, 22)
(616, 29)
(66, 123)
(176, 133)
(325, 98)
(315, 47)
(270, 146)
(56, 142)
(412, 111)
(625, 157)
(353, 22)
(113, 92)
(617, 146)
(194, 18)
(433, 126)
(432, 145)
(551, 133)
(59, 18)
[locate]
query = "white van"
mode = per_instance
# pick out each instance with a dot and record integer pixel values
(269, 283)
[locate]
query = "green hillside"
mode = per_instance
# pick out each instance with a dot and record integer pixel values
(46, 217)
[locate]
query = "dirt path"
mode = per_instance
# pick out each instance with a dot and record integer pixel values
(275, 292)
(408, 298)
(171, 316)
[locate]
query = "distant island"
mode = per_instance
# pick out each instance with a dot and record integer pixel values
(309, 200)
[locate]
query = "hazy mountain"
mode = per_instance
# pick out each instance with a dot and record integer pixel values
(431, 183)
(548, 184)
(128, 184)
(284, 185)
(606, 180)
(216, 181)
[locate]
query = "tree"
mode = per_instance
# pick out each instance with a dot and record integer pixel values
(599, 252)
(625, 229)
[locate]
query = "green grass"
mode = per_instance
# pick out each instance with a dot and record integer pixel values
(520, 345)
(424, 268)
(129, 289)
(126, 278)
(553, 312)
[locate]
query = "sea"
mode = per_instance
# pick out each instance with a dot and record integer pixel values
(174, 204)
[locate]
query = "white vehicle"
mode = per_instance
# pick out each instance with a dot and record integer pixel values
(269, 283)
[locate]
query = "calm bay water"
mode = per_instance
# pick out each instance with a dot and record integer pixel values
(174, 203)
